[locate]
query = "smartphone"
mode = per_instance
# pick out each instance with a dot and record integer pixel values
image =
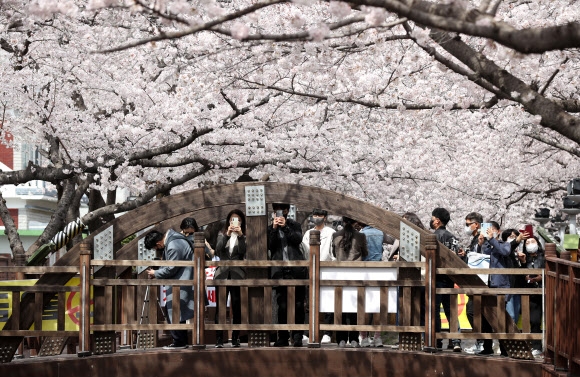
(279, 213)
(528, 228)
(235, 221)
(484, 228)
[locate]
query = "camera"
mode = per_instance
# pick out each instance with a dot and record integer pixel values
(155, 267)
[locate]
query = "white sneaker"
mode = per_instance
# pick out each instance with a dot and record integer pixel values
(477, 347)
(378, 342)
(354, 344)
(326, 339)
(365, 342)
(537, 353)
(304, 340)
(342, 344)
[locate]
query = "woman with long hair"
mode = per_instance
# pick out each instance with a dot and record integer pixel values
(231, 245)
(349, 245)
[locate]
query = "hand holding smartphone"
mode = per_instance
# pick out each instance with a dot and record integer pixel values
(529, 229)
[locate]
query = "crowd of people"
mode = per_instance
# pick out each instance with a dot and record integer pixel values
(352, 241)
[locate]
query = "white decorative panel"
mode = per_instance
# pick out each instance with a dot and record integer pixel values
(350, 294)
(255, 201)
(410, 244)
(143, 254)
(103, 246)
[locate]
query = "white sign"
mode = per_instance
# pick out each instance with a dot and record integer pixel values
(349, 294)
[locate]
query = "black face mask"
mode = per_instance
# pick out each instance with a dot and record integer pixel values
(431, 226)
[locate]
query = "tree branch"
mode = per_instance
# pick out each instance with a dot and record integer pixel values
(453, 17)
(10, 229)
(206, 26)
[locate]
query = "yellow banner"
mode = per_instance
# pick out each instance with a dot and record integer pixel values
(50, 314)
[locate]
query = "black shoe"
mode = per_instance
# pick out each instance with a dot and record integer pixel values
(297, 341)
(281, 343)
(485, 352)
(219, 343)
(457, 348)
(235, 343)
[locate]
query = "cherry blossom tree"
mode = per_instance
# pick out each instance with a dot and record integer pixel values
(470, 105)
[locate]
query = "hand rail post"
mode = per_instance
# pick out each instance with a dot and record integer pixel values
(198, 341)
(431, 311)
(314, 270)
(85, 315)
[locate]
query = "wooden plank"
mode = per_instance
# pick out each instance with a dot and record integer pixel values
(476, 313)
(222, 299)
(145, 282)
(384, 305)
(454, 320)
(175, 304)
(406, 307)
(15, 312)
(38, 333)
(337, 305)
(38, 313)
(502, 315)
(360, 306)
(39, 288)
(61, 311)
(257, 282)
(526, 313)
(291, 305)
(257, 250)
(244, 301)
(267, 292)
(488, 291)
(39, 269)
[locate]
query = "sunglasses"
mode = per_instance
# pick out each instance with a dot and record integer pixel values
(469, 224)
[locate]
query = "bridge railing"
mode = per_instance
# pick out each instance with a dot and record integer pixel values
(116, 302)
(562, 286)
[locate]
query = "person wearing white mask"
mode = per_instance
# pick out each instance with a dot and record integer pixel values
(319, 217)
(473, 223)
(534, 258)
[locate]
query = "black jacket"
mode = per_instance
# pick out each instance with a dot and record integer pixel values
(291, 236)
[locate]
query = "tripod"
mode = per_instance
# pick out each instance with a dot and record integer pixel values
(146, 339)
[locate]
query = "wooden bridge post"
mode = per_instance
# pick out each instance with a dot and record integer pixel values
(85, 315)
(199, 291)
(259, 299)
(550, 308)
(314, 270)
(431, 311)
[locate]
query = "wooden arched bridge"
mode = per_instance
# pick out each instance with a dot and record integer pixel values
(107, 267)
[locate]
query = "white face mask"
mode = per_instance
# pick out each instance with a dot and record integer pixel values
(532, 248)
(510, 239)
(468, 230)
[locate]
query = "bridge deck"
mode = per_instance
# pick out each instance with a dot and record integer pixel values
(328, 361)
